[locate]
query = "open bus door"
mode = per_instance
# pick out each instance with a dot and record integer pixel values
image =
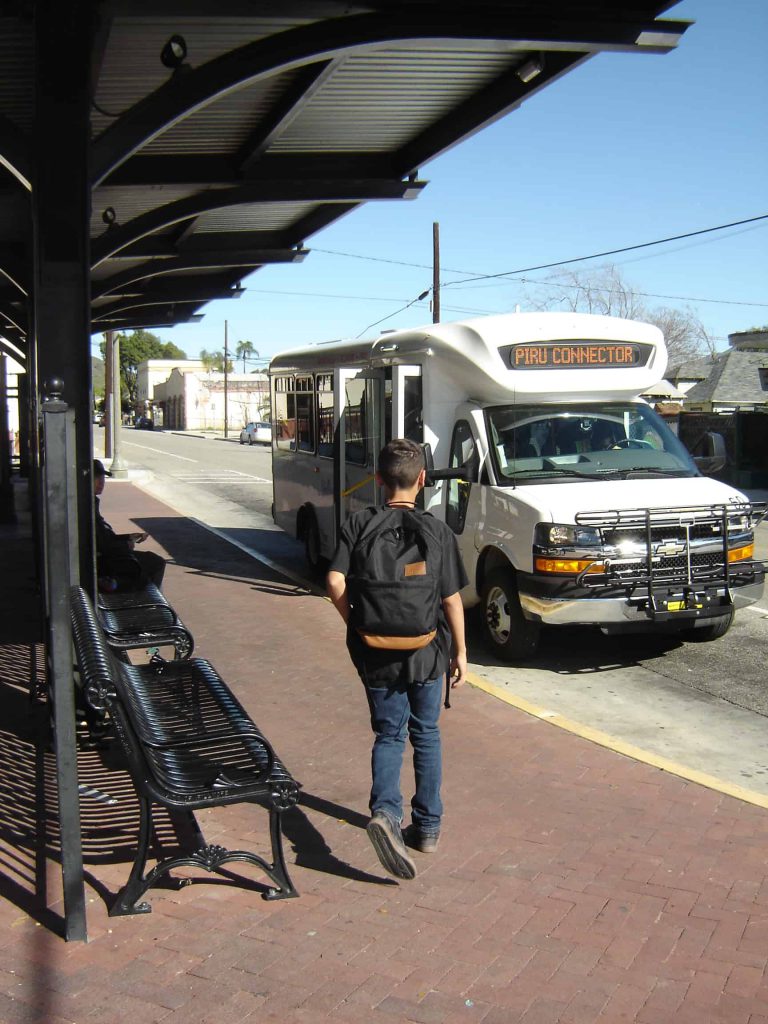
(360, 435)
(371, 406)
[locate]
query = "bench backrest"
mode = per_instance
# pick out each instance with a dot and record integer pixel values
(95, 660)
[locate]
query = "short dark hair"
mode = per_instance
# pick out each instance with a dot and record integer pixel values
(400, 463)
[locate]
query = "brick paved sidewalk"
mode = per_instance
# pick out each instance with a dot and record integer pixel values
(571, 884)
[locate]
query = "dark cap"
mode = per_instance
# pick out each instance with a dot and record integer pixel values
(98, 468)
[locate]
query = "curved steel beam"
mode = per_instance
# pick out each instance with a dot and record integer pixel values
(8, 348)
(217, 261)
(298, 47)
(116, 238)
(147, 299)
(135, 323)
(15, 153)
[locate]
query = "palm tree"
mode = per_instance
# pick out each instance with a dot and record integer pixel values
(215, 361)
(245, 350)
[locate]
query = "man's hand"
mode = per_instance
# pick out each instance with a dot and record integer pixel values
(458, 670)
(138, 538)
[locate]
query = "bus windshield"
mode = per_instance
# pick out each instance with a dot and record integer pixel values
(555, 443)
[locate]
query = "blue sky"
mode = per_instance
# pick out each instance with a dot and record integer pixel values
(624, 150)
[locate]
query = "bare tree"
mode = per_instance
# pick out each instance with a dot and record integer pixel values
(683, 332)
(605, 292)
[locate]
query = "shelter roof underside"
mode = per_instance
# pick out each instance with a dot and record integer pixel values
(277, 119)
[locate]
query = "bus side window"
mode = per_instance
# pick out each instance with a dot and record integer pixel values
(462, 451)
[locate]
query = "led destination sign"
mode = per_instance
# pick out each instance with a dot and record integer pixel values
(576, 355)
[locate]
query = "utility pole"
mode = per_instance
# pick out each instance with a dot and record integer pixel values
(226, 360)
(435, 273)
(117, 469)
(109, 421)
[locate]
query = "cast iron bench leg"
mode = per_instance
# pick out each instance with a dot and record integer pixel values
(210, 857)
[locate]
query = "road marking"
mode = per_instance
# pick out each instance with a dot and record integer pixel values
(170, 455)
(753, 608)
(222, 475)
(603, 739)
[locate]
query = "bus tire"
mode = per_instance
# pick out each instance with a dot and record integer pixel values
(311, 537)
(508, 633)
(712, 631)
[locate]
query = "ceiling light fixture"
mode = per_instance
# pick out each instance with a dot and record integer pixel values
(174, 52)
(528, 71)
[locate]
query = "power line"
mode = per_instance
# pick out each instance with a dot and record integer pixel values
(614, 252)
(560, 263)
(559, 286)
(390, 315)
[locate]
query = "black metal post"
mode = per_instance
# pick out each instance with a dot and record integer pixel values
(7, 509)
(226, 380)
(61, 207)
(58, 473)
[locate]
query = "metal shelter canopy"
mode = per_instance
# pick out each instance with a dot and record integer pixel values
(154, 153)
(225, 133)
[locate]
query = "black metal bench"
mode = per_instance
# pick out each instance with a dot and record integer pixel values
(143, 618)
(189, 744)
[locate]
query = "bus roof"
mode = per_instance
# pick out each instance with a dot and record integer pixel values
(547, 356)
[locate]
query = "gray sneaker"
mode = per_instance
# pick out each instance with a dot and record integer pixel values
(424, 842)
(387, 841)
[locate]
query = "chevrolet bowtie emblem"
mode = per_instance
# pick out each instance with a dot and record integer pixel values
(669, 548)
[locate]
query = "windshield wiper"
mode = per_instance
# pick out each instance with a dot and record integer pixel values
(558, 472)
(655, 469)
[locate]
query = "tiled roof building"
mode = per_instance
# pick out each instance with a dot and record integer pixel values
(737, 379)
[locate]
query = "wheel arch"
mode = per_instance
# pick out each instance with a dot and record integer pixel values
(491, 558)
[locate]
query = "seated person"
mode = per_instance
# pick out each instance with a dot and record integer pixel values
(604, 435)
(541, 438)
(118, 565)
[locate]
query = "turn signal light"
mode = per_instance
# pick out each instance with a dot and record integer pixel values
(567, 566)
(741, 554)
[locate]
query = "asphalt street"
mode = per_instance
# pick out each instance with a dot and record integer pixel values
(699, 706)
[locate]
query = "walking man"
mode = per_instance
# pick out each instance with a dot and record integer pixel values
(404, 685)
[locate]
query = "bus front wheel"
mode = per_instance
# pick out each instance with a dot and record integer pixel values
(311, 536)
(507, 631)
(712, 631)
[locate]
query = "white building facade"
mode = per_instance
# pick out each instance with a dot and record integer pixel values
(193, 399)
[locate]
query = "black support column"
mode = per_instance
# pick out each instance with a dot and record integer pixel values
(61, 226)
(61, 203)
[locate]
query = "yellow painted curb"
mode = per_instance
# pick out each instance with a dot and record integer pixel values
(603, 739)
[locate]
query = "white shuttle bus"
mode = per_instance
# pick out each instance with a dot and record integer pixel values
(572, 500)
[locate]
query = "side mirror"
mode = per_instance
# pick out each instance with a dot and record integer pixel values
(470, 471)
(713, 455)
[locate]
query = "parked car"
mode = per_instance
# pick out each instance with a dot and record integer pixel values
(144, 423)
(256, 433)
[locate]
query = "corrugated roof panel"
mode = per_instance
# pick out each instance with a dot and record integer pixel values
(129, 203)
(252, 217)
(379, 101)
(132, 69)
(16, 58)
(112, 267)
(225, 125)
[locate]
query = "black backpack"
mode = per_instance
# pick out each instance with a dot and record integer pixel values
(394, 581)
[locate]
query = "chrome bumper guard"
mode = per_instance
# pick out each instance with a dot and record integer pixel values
(673, 562)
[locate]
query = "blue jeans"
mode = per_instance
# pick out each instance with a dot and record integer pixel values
(397, 711)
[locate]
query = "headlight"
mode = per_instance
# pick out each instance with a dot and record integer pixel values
(738, 524)
(559, 535)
